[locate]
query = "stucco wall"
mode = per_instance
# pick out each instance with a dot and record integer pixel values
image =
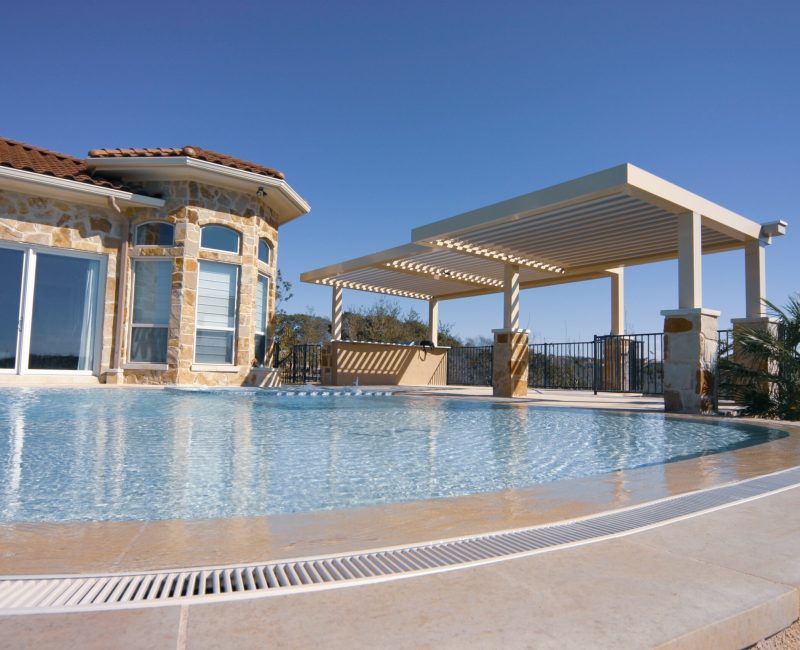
(383, 364)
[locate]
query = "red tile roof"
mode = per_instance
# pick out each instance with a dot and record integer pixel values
(26, 157)
(191, 152)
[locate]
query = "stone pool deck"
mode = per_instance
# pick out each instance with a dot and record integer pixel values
(724, 579)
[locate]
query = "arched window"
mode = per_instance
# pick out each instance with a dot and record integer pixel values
(154, 233)
(264, 251)
(219, 238)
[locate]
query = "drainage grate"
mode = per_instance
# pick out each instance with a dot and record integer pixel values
(25, 594)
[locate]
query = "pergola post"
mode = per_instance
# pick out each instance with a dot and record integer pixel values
(337, 312)
(433, 320)
(756, 318)
(617, 300)
(690, 332)
(510, 351)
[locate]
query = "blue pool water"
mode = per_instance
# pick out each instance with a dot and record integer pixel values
(131, 454)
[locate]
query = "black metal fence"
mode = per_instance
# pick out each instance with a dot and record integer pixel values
(301, 365)
(561, 365)
(470, 366)
(724, 351)
(631, 363)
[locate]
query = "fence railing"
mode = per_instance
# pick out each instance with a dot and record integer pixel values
(724, 351)
(631, 363)
(301, 365)
(561, 365)
(470, 366)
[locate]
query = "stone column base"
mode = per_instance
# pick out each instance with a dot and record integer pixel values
(114, 376)
(690, 360)
(510, 363)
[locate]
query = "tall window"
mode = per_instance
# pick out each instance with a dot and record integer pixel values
(152, 286)
(264, 251)
(216, 313)
(154, 233)
(262, 302)
(219, 238)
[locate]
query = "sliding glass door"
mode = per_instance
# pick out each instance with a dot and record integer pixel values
(50, 319)
(11, 269)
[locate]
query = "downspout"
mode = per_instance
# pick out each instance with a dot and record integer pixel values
(122, 292)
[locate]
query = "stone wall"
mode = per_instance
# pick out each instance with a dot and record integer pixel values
(41, 221)
(189, 206)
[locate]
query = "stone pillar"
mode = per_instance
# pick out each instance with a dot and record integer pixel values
(690, 360)
(337, 312)
(510, 363)
(433, 320)
(617, 364)
(740, 356)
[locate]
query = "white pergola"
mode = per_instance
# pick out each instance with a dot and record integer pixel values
(591, 227)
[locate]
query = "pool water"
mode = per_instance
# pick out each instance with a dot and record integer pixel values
(139, 454)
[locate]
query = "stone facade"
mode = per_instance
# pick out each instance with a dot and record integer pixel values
(510, 363)
(690, 360)
(44, 222)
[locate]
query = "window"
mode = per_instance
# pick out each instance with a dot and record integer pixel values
(262, 303)
(219, 238)
(152, 288)
(155, 233)
(264, 251)
(216, 313)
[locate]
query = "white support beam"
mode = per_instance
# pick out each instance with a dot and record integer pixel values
(433, 320)
(511, 297)
(755, 278)
(690, 273)
(617, 300)
(337, 311)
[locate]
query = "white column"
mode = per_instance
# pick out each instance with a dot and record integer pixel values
(511, 297)
(617, 300)
(433, 320)
(690, 274)
(336, 313)
(755, 279)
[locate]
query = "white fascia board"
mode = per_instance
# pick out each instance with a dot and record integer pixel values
(33, 183)
(290, 204)
(659, 191)
(376, 260)
(594, 185)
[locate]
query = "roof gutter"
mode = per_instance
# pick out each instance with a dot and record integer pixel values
(18, 177)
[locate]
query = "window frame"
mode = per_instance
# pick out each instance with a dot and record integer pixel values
(147, 223)
(130, 362)
(238, 234)
(270, 251)
(265, 324)
(232, 330)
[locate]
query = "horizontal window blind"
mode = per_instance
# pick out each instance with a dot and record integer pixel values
(216, 300)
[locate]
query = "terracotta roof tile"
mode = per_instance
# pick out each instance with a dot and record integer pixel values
(26, 157)
(191, 152)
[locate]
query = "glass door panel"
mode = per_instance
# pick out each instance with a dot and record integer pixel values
(11, 262)
(64, 313)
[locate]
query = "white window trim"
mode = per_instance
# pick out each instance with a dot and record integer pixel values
(265, 324)
(144, 223)
(270, 249)
(131, 324)
(238, 250)
(26, 307)
(219, 367)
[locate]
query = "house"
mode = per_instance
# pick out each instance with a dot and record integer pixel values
(137, 266)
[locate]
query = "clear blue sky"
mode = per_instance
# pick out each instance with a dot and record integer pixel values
(386, 116)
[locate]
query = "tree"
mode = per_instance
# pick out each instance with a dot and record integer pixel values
(767, 383)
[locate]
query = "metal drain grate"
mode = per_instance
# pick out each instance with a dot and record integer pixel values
(25, 594)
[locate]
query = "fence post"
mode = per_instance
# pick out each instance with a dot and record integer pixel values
(594, 364)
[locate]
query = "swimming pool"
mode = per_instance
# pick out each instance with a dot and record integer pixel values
(144, 454)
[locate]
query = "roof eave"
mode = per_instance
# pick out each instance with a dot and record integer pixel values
(33, 183)
(285, 201)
